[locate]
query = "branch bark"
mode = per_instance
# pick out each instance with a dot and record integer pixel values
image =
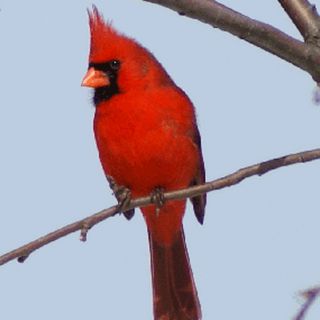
(305, 17)
(85, 224)
(303, 55)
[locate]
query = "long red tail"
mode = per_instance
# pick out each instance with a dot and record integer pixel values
(174, 292)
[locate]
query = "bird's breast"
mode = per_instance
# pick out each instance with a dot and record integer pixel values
(143, 145)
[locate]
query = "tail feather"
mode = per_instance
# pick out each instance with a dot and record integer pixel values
(174, 292)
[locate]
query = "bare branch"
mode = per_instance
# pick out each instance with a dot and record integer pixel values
(305, 17)
(23, 252)
(310, 295)
(84, 225)
(306, 57)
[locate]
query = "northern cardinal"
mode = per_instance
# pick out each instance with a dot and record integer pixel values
(148, 142)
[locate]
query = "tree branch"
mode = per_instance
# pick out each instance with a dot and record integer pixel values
(304, 56)
(310, 295)
(305, 17)
(84, 225)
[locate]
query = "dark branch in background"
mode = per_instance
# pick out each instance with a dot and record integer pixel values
(84, 225)
(305, 17)
(310, 296)
(305, 56)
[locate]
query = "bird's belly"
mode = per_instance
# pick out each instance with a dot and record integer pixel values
(144, 159)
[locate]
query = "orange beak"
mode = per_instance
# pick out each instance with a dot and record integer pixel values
(95, 79)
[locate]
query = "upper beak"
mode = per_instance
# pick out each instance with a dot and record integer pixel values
(95, 79)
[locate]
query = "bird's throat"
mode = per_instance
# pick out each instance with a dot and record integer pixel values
(105, 93)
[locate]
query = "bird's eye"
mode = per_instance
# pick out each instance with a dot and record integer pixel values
(115, 65)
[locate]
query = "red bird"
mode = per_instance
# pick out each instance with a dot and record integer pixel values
(148, 142)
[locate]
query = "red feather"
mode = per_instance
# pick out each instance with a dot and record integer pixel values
(147, 138)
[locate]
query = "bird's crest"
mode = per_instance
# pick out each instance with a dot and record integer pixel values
(106, 42)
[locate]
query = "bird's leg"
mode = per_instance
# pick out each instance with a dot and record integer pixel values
(157, 198)
(123, 196)
(111, 182)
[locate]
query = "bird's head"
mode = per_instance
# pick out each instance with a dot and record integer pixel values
(117, 63)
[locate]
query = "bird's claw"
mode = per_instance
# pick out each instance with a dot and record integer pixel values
(122, 194)
(157, 198)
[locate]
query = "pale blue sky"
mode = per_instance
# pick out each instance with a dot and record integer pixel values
(259, 245)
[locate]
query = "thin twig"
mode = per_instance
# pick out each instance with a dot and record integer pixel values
(85, 224)
(310, 295)
(23, 252)
(265, 36)
(304, 15)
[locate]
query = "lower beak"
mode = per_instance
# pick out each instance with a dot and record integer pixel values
(95, 79)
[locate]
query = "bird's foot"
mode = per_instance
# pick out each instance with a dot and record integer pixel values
(123, 196)
(157, 198)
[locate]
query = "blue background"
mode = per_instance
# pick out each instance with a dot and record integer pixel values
(259, 245)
